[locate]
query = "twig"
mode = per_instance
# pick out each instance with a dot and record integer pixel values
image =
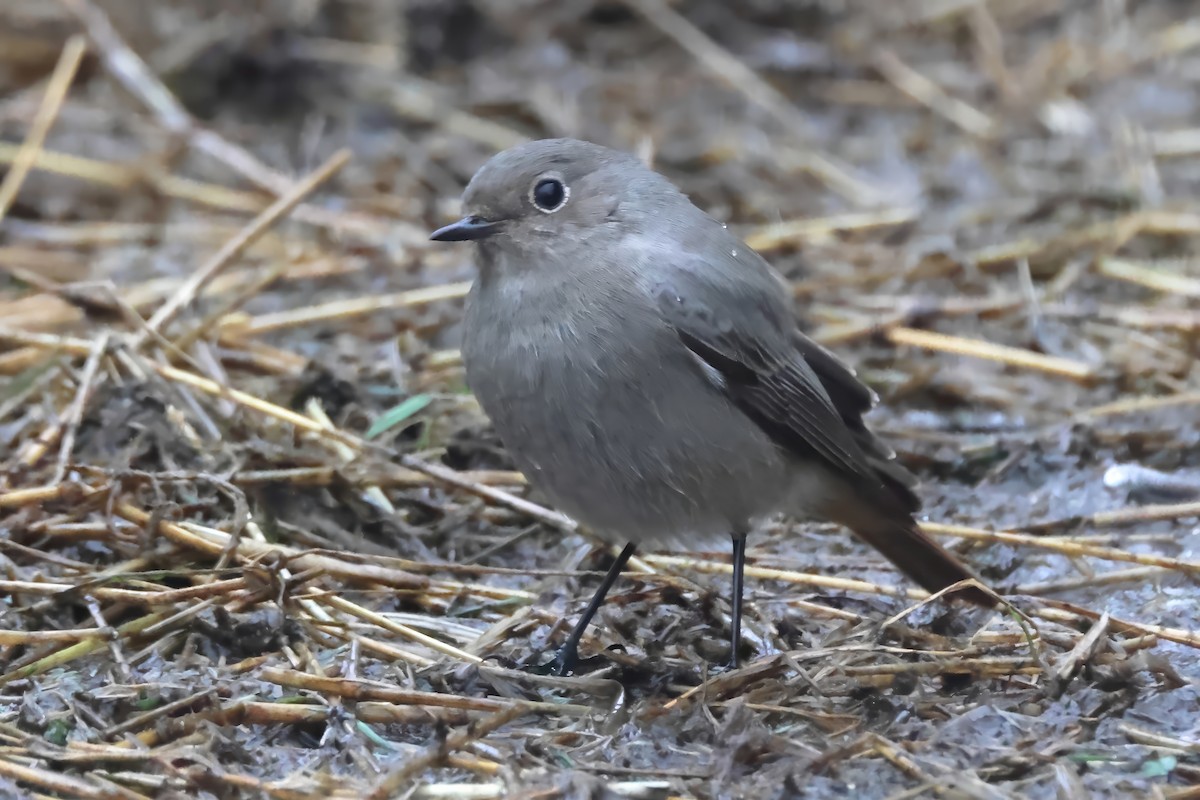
(437, 645)
(128, 67)
(388, 693)
(372, 493)
(789, 576)
(929, 94)
(1151, 276)
(781, 234)
(724, 66)
(1137, 405)
(1083, 652)
(392, 783)
(132, 73)
(419, 100)
(75, 414)
(1063, 546)
(79, 649)
(233, 247)
(1012, 356)
(897, 758)
(1124, 516)
(348, 309)
(1139, 574)
(56, 92)
(207, 694)
(1070, 614)
(185, 340)
(214, 542)
(62, 785)
(634, 790)
(1152, 739)
(122, 177)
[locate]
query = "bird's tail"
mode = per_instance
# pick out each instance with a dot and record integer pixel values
(912, 550)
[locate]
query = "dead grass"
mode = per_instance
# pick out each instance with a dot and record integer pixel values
(217, 584)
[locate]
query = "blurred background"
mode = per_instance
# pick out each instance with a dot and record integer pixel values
(989, 207)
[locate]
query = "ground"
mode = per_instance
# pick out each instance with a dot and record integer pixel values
(258, 541)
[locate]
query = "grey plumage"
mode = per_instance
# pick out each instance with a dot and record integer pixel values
(641, 364)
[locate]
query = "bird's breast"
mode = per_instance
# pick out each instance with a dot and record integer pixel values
(552, 370)
(607, 414)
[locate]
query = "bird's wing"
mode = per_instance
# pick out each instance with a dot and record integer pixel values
(853, 399)
(729, 313)
(732, 317)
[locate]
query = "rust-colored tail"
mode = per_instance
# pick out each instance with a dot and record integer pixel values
(913, 552)
(876, 498)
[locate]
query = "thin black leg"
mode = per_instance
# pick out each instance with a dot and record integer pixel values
(564, 661)
(739, 570)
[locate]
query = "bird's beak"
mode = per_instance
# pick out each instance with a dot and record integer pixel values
(467, 229)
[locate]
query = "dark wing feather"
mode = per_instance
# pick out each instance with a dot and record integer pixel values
(853, 399)
(806, 400)
(782, 399)
(850, 395)
(799, 393)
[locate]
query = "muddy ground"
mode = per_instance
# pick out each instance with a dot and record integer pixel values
(233, 560)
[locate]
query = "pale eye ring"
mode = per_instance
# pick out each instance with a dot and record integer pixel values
(549, 194)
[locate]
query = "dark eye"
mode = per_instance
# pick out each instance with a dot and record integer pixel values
(549, 194)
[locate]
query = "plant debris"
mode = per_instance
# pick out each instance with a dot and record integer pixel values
(257, 539)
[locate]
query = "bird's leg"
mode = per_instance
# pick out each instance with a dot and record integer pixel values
(739, 569)
(564, 661)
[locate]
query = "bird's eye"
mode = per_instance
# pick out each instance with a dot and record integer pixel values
(549, 195)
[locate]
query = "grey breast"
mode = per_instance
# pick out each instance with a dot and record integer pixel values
(610, 416)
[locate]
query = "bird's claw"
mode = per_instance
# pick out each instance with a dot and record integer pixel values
(561, 665)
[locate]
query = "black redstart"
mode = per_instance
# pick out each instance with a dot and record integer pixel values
(641, 364)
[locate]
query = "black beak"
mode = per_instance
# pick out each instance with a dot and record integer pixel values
(467, 229)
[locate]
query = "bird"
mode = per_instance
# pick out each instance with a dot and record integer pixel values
(642, 366)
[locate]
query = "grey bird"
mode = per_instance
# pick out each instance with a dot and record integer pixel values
(642, 367)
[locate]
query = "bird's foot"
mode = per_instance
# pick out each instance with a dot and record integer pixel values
(562, 665)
